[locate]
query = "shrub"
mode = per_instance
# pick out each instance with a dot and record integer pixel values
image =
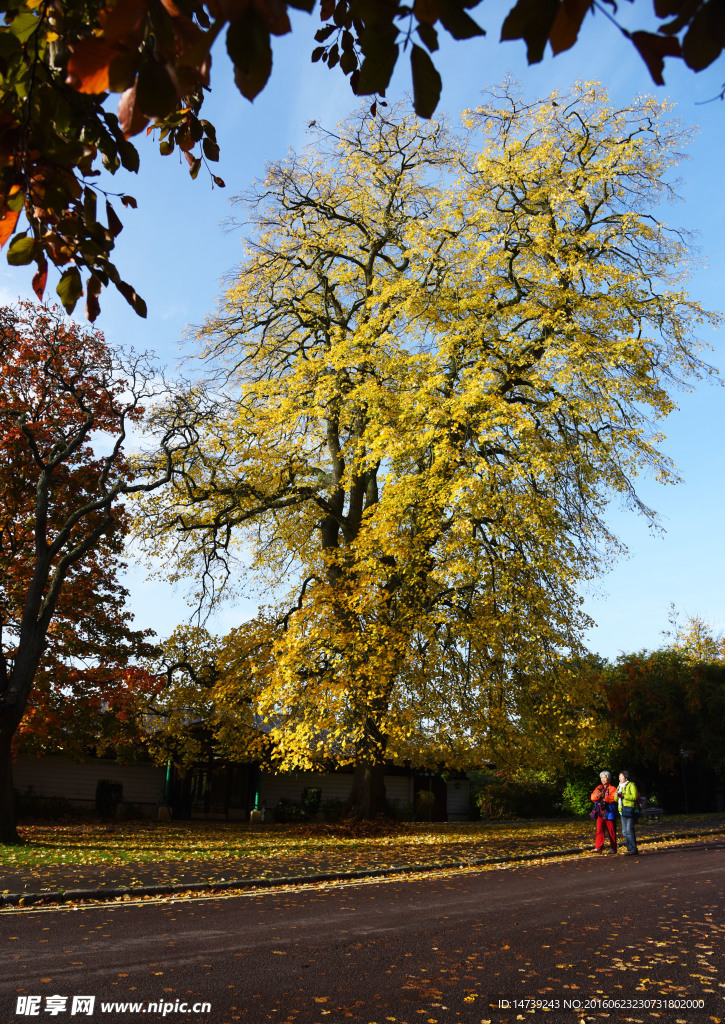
(311, 799)
(424, 804)
(576, 798)
(287, 811)
(130, 812)
(496, 798)
(31, 805)
(332, 809)
(400, 812)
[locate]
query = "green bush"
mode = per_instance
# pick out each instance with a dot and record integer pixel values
(424, 804)
(496, 798)
(576, 797)
(31, 805)
(288, 811)
(311, 799)
(400, 812)
(332, 809)
(130, 812)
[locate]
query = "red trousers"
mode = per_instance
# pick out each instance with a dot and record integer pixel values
(605, 826)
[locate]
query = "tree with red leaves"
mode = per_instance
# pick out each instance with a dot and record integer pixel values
(66, 405)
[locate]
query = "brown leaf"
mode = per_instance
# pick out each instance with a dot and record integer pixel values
(275, 16)
(705, 37)
(249, 47)
(93, 290)
(426, 11)
(653, 50)
(531, 20)
(568, 21)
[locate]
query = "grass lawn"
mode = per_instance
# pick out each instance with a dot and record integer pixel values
(284, 849)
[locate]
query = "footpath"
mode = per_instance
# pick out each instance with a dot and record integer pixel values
(70, 883)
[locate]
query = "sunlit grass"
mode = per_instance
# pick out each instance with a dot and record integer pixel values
(343, 847)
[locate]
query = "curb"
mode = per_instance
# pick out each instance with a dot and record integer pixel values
(47, 896)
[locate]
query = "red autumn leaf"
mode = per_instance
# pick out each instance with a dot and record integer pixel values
(88, 65)
(40, 280)
(130, 116)
(8, 221)
(120, 21)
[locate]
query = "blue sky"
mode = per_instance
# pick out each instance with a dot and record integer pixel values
(176, 251)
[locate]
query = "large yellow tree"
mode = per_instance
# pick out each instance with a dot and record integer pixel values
(441, 357)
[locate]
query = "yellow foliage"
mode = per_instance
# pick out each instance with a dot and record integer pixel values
(442, 356)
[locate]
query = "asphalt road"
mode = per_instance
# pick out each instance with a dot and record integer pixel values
(437, 949)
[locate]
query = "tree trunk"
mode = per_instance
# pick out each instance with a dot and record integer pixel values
(367, 797)
(8, 832)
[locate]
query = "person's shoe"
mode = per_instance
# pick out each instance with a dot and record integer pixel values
(595, 850)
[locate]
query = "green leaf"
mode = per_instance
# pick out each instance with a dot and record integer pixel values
(129, 156)
(426, 82)
(16, 201)
(89, 207)
(23, 26)
(10, 45)
(70, 288)
(20, 250)
(249, 47)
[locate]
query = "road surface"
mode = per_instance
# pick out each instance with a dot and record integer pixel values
(558, 938)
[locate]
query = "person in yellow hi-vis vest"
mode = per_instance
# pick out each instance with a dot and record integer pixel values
(628, 809)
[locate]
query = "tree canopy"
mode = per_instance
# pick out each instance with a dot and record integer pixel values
(67, 403)
(441, 357)
(59, 61)
(670, 703)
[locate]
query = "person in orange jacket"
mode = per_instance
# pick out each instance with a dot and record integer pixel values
(604, 799)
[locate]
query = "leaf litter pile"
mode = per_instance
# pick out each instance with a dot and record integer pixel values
(94, 855)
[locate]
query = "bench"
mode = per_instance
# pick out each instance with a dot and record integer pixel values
(653, 813)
